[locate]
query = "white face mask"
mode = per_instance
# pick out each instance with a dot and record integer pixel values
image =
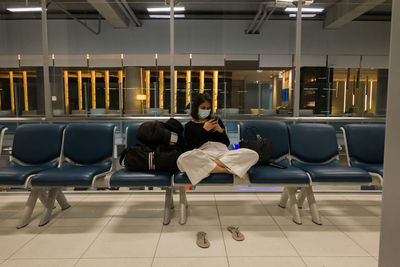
(204, 113)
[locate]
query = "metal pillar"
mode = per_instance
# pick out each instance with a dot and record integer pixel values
(45, 52)
(296, 102)
(172, 54)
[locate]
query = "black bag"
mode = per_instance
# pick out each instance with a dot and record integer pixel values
(263, 146)
(156, 133)
(143, 158)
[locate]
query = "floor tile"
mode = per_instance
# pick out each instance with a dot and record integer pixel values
(40, 263)
(12, 239)
(117, 262)
(259, 241)
(198, 215)
(340, 261)
(59, 242)
(195, 199)
(366, 237)
(354, 220)
(125, 241)
(334, 210)
(192, 262)
(82, 211)
(244, 215)
(266, 262)
(78, 222)
(365, 199)
(269, 199)
(176, 241)
(374, 210)
(321, 241)
(236, 199)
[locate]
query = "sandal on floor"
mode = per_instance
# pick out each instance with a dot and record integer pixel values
(236, 234)
(202, 241)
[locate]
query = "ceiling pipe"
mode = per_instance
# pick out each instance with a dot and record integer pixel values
(263, 19)
(129, 12)
(253, 23)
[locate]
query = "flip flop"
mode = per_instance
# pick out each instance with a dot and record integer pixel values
(202, 241)
(236, 234)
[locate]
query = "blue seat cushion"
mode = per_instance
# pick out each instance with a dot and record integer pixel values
(334, 173)
(70, 175)
(17, 174)
(272, 175)
(369, 167)
(215, 178)
(133, 178)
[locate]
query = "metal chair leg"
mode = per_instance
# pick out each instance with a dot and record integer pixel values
(169, 206)
(48, 208)
(284, 198)
(43, 196)
(182, 205)
(313, 206)
(293, 205)
(29, 206)
(301, 197)
(62, 200)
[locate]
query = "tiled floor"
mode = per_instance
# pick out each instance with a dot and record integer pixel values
(125, 229)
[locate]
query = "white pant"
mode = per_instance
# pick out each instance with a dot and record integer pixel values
(198, 163)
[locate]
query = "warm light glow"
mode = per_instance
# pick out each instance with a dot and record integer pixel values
(156, 56)
(141, 97)
(53, 56)
(122, 56)
(19, 57)
(354, 99)
(165, 9)
(190, 56)
(87, 56)
(24, 9)
(344, 98)
(370, 96)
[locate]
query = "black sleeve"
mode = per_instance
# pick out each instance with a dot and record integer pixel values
(223, 136)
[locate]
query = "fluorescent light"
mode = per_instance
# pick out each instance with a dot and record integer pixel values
(166, 16)
(24, 9)
(294, 15)
(165, 9)
(305, 9)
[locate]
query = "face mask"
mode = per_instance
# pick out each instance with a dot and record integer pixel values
(204, 113)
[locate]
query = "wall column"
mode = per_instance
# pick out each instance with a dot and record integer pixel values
(93, 80)
(390, 235)
(107, 88)
(215, 91)
(201, 82)
(66, 92)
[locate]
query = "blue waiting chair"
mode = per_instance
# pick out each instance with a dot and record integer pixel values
(87, 160)
(365, 145)
(125, 178)
(36, 147)
(290, 178)
(314, 149)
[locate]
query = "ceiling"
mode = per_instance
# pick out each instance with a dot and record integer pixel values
(194, 9)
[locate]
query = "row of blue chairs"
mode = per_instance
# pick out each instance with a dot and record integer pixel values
(48, 157)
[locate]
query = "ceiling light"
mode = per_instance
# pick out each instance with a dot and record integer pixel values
(305, 9)
(165, 9)
(166, 16)
(24, 9)
(303, 15)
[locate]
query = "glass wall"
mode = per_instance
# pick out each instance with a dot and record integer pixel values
(117, 66)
